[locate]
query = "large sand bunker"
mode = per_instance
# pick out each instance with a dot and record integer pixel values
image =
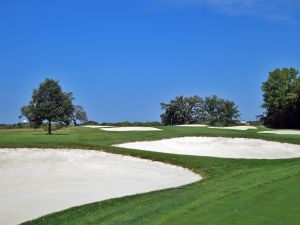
(219, 147)
(131, 129)
(235, 128)
(289, 132)
(38, 182)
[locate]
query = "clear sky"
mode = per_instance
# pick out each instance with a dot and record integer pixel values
(122, 58)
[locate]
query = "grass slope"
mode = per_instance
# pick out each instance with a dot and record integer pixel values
(234, 191)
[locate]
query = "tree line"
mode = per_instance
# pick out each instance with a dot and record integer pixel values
(281, 96)
(194, 109)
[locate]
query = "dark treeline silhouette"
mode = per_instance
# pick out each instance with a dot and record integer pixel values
(194, 109)
(282, 99)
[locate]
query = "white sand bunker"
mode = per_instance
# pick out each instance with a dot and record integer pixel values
(219, 147)
(131, 129)
(96, 126)
(289, 132)
(38, 182)
(192, 125)
(235, 128)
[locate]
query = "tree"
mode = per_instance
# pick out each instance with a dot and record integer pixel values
(34, 119)
(49, 103)
(281, 99)
(220, 111)
(182, 110)
(212, 110)
(79, 114)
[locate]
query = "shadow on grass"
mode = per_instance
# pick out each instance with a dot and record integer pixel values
(50, 134)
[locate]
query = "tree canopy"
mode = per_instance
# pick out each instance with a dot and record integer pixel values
(281, 99)
(194, 109)
(182, 110)
(49, 103)
(218, 111)
(79, 114)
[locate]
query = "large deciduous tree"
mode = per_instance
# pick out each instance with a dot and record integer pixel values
(49, 103)
(281, 99)
(212, 110)
(220, 111)
(182, 110)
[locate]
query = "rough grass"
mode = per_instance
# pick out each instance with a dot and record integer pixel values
(234, 191)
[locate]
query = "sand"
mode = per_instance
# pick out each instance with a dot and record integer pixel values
(37, 182)
(289, 132)
(235, 128)
(96, 126)
(192, 125)
(219, 147)
(131, 129)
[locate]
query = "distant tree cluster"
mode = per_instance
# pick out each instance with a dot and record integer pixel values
(194, 109)
(49, 103)
(282, 99)
(281, 95)
(14, 126)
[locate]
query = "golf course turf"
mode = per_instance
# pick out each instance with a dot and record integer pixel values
(234, 191)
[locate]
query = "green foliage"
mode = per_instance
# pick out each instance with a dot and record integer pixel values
(32, 115)
(79, 115)
(182, 110)
(14, 126)
(188, 110)
(49, 103)
(90, 122)
(219, 111)
(281, 99)
(255, 123)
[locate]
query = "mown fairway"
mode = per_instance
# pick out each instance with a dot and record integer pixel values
(233, 192)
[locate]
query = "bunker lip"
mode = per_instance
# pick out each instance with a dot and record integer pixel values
(96, 126)
(192, 125)
(120, 129)
(287, 132)
(220, 147)
(35, 182)
(235, 128)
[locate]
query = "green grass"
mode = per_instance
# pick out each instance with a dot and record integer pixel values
(234, 191)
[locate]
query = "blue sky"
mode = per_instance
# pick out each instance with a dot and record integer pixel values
(122, 58)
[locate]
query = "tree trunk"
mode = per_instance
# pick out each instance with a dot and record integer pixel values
(49, 127)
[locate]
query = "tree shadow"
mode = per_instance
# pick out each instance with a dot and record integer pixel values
(51, 134)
